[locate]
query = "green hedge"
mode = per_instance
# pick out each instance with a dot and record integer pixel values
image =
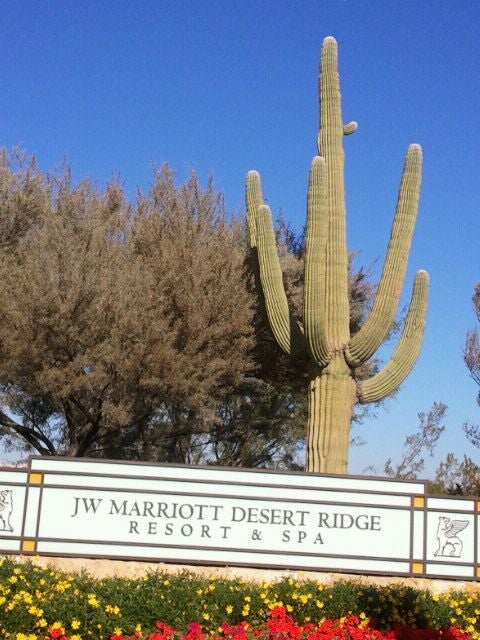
(34, 597)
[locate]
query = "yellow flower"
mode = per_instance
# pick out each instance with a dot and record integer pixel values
(76, 636)
(113, 610)
(138, 628)
(117, 631)
(62, 586)
(17, 571)
(92, 600)
(229, 608)
(206, 616)
(13, 579)
(246, 610)
(41, 623)
(247, 599)
(75, 624)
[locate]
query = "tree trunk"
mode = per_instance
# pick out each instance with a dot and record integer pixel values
(331, 396)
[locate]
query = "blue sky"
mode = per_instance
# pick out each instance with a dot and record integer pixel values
(224, 86)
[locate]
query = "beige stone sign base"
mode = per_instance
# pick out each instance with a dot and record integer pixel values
(102, 568)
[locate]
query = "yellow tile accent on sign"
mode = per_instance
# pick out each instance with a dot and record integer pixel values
(417, 567)
(28, 545)
(418, 502)
(36, 478)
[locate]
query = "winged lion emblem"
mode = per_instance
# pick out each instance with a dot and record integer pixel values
(6, 508)
(449, 544)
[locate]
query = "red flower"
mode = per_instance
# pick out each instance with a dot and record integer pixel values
(165, 629)
(194, 632)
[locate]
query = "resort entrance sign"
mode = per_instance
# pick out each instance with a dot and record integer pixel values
(230, 517)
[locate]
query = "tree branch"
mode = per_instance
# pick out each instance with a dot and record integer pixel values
(30, 435)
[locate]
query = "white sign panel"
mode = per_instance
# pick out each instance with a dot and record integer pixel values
(226, 522)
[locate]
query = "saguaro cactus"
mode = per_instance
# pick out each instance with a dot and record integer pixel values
(324, 338)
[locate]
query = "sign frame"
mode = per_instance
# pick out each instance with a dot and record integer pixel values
(454, 520)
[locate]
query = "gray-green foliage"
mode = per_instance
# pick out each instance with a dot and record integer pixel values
(471, 356)
(418, 444)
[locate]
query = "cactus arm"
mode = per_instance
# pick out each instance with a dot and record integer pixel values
(364, 344)
(254, 200)
(330, 147)
(315, 245)
(285, 329)
(408, 348)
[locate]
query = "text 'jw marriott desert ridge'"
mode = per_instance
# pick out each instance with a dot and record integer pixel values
(324, 337)
(214, 512)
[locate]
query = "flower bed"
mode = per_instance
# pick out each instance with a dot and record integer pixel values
(279, 626)
(39, 602)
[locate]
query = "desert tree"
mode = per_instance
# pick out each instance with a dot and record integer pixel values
(115, 318)
(418, 444)
(456, 477)
(471, 356)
